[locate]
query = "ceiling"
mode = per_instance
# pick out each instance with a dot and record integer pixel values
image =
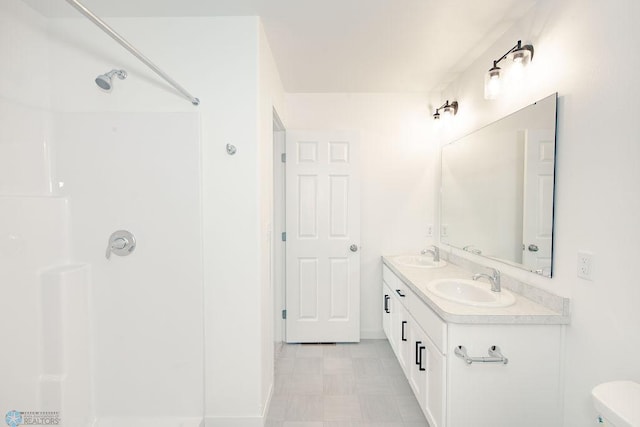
(347, 45)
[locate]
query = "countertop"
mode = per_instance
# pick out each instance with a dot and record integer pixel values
(523, 311)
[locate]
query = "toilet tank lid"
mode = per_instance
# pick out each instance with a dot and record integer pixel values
(618, 402)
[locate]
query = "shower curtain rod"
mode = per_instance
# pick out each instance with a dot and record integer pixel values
(124, 43)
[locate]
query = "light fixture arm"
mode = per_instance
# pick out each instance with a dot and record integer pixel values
(518, 46)
(453, 106)
(519, 54)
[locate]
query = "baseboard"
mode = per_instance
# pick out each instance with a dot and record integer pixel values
(241, 421)
(267, 404)
(376, 334)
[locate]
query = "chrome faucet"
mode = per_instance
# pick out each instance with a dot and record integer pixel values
(494, 279)
(435, 252)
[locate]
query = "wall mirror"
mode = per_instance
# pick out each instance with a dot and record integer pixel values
(497, 189)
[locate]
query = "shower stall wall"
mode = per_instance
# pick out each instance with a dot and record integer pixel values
(143, 339)
(138, 172)
(91, 341)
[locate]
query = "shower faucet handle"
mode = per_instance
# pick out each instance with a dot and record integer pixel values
(121, 243)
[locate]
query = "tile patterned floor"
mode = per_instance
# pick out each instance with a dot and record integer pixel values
(342, 385)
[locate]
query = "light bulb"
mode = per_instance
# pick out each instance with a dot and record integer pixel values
(447, 112)
(521, 56)
(492, 83)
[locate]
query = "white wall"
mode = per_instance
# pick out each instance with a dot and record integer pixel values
(396, 167)
(580, 51)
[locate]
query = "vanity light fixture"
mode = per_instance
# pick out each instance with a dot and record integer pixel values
(448, 110)
(520, 55)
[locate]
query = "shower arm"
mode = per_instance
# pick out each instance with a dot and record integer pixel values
(124, 43)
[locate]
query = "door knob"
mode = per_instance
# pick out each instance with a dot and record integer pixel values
(353, 248)
(533, 248)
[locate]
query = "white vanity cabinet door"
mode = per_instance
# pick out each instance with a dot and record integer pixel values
(401, 320)
(394, 319)
(387, 304)
(427, 376)
(395, 323)
(417, 370)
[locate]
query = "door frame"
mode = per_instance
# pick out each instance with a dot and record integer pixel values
(278, 249)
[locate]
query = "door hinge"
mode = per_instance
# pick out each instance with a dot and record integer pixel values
(283, 157)
(284, 314)
(284, 236)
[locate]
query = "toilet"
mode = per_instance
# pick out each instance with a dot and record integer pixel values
(617, 403)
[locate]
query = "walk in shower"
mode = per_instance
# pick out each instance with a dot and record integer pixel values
(89, 339)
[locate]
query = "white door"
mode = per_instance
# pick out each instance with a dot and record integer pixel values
(538, 200)
(323, 237)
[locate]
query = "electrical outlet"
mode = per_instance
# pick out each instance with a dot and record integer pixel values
(585, 265)
(430, 230)
(445, 230)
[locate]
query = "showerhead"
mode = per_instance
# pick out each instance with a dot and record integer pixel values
(104, 80)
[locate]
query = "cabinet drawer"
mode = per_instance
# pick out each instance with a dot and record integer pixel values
(397, 286)
(389, 277)
(435, 328)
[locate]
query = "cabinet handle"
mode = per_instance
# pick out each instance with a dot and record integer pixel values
(418, 361)
(400, 293)
(420, 353)
(386, 304)
(404, 322)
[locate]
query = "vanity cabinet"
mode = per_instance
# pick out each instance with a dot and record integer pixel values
(421, 360)
(452, 393)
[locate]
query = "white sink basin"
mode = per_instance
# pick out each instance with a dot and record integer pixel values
(420, 261)
(471, 292)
